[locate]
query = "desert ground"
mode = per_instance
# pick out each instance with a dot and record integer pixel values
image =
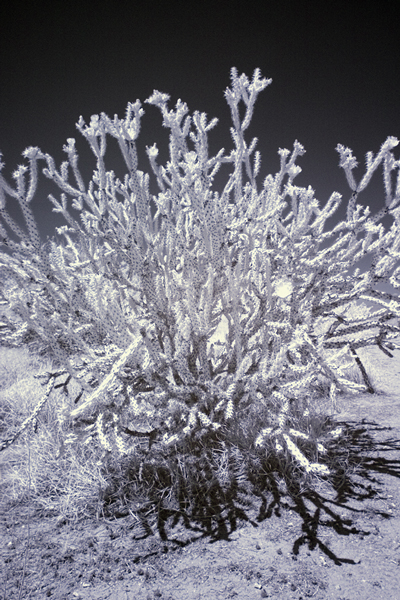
(339, 542)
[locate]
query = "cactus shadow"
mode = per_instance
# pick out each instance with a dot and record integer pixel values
(341, 504)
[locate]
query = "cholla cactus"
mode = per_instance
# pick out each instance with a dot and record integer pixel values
(130, 304)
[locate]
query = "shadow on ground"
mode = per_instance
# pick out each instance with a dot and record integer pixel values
(358, 462)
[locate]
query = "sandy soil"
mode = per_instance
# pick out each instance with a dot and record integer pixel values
(342, 545)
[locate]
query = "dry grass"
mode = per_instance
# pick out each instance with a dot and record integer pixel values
(64, 481)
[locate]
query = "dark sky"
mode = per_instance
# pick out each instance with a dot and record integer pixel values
(335, 68)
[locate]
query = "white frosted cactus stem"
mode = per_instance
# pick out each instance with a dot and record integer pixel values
(332, 394)
(278, 364)
(100, 432)
(204, 420)
(263, 436)
(229, 410)
(95, 398)
(200, 259)
(295, 452)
